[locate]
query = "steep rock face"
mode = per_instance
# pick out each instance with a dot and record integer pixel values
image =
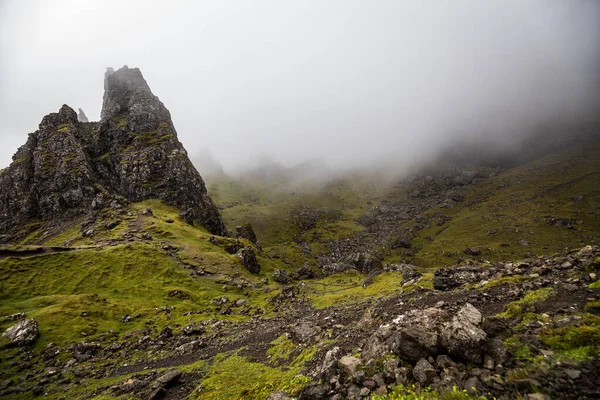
(67, 167)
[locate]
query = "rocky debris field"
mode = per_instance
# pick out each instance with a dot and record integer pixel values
(528, 328)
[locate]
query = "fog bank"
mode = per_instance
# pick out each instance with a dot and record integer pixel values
(350, 83)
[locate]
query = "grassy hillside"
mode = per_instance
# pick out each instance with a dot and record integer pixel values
(545, 206)
(80, 279)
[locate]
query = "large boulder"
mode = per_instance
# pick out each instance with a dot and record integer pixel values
(420, 331)
(420, 334)
(463, 336)
(349, 365)
(248, 257)
(24, 333)
(364, 262)
(424, 371)
(245, 231)
(169, 378)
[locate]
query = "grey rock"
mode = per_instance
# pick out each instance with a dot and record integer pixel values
(23, 333)
(473, 385)
(349, 365)
(329, 367)
(248, 257)
(13, 317)
(573, 373)
(305, 331)
(488, 362)
(313, 392)
(443, 361)
(538, 396)
(462, 337)
(281, 276)
(168, 379)
(402, 375)
(496, 326)
(496, 349)
(193, 329)
(353, 393)
(157, 394)
(402, 241)
(364, 262)
(469, 313)
(245, 231)
(390, 366)
(424, 371)
(279, 395)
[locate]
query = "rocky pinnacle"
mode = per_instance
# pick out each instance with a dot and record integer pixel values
(68, 168)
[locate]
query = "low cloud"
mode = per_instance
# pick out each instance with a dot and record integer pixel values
(350, 83)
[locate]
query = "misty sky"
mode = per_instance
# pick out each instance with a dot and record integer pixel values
(348, 81)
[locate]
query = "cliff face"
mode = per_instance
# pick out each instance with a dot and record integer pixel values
(67, 167)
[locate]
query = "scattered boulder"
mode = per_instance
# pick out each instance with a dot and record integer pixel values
(279, 395)
(402, 241)
(168, 379)
(23, 333)
(313, 392)
(424, 372)
(13, 317)
(462, 336)
(444, 280)
(245, 231)
(349, 365)
(193, 329)
(126, 318)
(364, 262)
(472, 251)
(248, 257)
(473, 385)
(496, 326)
(281, 276)
(157, 394)
(304, 331)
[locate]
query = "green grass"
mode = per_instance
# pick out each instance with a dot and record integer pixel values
(517, 204)
(235, 377)
(347, 287)
(403, 392)
(516, 308)
(576, 343)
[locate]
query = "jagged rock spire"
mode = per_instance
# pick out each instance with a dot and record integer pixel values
(67, 168)
(127, 94)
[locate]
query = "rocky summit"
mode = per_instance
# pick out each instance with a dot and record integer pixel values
(68, 168)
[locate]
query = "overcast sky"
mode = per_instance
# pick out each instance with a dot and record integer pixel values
(348, 81)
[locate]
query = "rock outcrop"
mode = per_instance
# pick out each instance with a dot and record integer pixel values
(67, 168)
(22, 334)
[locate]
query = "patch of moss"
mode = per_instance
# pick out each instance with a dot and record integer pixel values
(516, 308)
(577, 342)
(63, 128)
(281, 349)
(234, 377)
(413, 392)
